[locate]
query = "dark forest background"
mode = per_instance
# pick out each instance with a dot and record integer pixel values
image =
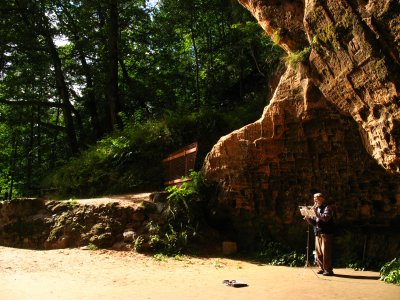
(94, 94)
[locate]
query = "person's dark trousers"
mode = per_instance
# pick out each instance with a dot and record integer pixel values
(323, 248)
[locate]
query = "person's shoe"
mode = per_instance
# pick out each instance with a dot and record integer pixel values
(327, 273)
(320, 272)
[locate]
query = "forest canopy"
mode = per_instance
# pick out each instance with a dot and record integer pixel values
(93, 94)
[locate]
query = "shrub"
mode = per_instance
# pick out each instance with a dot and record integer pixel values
(182, 215)
(116, 164)
(390, 271)
(276, 254)
(92, 247)
(371, 264)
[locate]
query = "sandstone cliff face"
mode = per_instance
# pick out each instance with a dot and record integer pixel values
(333, 124)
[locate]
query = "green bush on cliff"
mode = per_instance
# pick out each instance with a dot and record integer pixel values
(390, 272)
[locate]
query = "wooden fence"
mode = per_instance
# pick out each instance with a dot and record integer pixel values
(178, 165)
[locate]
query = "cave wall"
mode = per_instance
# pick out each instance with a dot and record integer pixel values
(332, 125)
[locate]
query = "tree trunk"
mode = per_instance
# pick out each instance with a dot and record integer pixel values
(13, 165)
(197, 67)
(29, 150)
(40, 24)
(64, 95)
(112, 64)
(91, 103)
(131, 85)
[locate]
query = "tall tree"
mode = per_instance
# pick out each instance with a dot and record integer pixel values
(31, 19)
(112, 94)
(73, 22)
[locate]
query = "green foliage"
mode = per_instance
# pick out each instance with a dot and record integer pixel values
(183, 218)
(327, 37)
(160, 257)
(73, 202)
(368, 264)
(187, 192)
(299, 56)
(92, 247)
(169, 241)
(390, 271)
(327, 34)
(137, 243)
(116, 164)
(278, 35)
(181, 209)
(276, 254)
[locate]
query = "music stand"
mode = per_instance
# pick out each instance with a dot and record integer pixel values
(307, 211)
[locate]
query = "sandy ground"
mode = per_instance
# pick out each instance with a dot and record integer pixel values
(103, 274)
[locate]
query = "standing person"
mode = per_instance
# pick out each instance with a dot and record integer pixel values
(323, 229)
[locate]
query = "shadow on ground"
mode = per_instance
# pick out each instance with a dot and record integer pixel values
(357, 277)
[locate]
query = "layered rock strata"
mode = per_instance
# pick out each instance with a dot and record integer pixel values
(333, 124)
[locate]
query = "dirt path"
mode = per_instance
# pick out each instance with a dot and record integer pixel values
(122, 200)
(79, 274)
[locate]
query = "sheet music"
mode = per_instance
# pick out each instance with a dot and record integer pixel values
(307, 211)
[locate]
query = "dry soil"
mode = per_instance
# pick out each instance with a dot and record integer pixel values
(103, 274)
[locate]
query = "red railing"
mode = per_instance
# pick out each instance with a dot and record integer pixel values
(178, 164)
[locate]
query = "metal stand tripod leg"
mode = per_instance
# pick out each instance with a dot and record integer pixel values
(307, 252)
(308, 246)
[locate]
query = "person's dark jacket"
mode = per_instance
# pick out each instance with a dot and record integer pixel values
(323, 222)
